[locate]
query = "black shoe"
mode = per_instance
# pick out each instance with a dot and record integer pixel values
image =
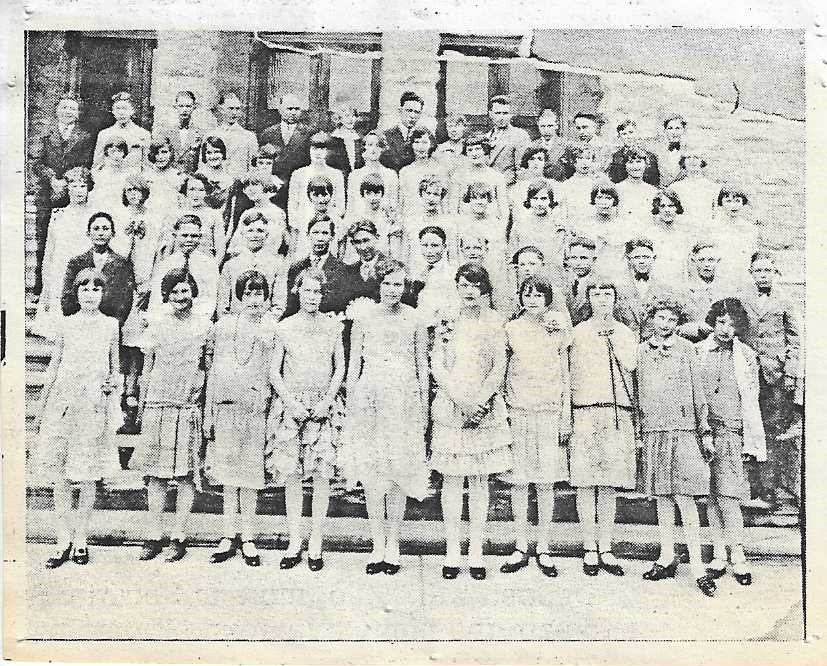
(659, 572)
(151, 549)
(477, 573)
(614, 569)
(511, 567)
(223, 555)
(743, 578)
(391, 569)
(706, 584)
(315, 563)
(290, 562)
(81, 555)
(372, 568)
(178, 550)
(547, 570)
(590, 569)
(449, 573)
(714, 574)
(59, 559)
(250, 560)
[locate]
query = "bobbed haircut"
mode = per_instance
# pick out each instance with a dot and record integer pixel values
(736, 311)
(319, 185)
(418, 133)
(538, 283)
(666, 196)
(253, 281)
(636, 153)
(80, 174)
(386, 266)
(606, 188)
(669, 303)
(534, 188)
(373, 183)
(380, 139)
(88, 276)
(732, 191)
(311, 273)
(135, 182)
(433, 180)
(213, 142)
(476, 275)
(600, 283)
(117, 142)
(529, 153)
(156, 145)
(477, 139)
(478, 190)
(175, 277)
(201, 178)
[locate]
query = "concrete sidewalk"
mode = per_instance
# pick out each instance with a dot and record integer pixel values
(419, 537)
(118, 597)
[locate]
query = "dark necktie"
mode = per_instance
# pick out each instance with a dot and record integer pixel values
(674, 145)
(574, 287)
(764, 291)
(184, 123)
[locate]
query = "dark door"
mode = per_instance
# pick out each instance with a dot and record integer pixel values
(106, 65)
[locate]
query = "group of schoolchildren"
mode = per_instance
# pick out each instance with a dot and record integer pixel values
(326, 303)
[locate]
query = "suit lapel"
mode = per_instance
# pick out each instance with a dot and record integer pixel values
(496, 150)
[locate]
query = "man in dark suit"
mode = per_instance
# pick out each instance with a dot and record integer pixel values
(64, 146)
(628, 134)
(186, 135)
(290, 137)
(398, 152)
(321, 231)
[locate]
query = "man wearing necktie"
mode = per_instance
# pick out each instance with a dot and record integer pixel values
(637, 288)
(398, 152)
(669, 154)
(508, 143)
(64, 146)
(291, 138)
(186, 134)
(773, 333)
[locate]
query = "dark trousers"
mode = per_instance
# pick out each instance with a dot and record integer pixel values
(782, 470)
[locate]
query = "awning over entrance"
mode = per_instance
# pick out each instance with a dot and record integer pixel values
(767, 66)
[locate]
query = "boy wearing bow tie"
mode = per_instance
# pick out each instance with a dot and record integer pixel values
(185, 134)
(669, 153)
(638, 287)
(773, 333)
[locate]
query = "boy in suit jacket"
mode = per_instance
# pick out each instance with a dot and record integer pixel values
(507, 142)
(290, 137)
(586, 126)
(398, 152)
(773, 333)
(636, 288)
(581, 255)
(116, 301)
(186, 135)
(64, 146)
(704, 289)
(627, 132)
(547, 125)
(321, 231)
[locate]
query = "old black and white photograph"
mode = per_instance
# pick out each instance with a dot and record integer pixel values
(412, 335)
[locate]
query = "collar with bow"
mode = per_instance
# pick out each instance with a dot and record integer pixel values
(674, 145)
(663, 345)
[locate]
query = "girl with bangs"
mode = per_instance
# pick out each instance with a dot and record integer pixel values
(537, 394)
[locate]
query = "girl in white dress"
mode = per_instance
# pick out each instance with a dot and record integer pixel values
(78, 401)
(373, 145)
(306, 371)
(537, 393)
(235, 414)
(423, 144)
(67, 238)
(471, 438)
(697, 192)
(384, 432)
(216, 169)
(163, 176)
(173, 346)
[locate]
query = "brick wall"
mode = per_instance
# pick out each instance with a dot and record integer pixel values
(764, 153)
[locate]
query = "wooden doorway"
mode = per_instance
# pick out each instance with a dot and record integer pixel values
(103, 64)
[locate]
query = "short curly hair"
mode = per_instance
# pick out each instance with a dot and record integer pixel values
(736, 311)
